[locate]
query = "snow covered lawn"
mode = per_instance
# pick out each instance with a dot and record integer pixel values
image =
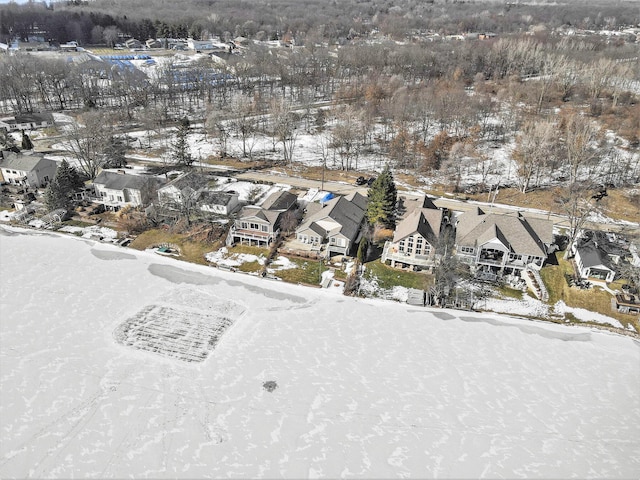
(369, 389)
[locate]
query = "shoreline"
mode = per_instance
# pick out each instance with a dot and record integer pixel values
(25, 230)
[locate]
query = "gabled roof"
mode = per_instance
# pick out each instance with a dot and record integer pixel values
(253, 211)
(360, 200)
(424, 221)
(34, 118)
(347, 214)
(19, 161)
(279, 201)
(122, 181)
(408, 203)
(190, 180)
(592, 256)
(217, 198)
(520, 234)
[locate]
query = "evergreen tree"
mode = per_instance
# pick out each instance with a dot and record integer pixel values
(363, 248)
(59, 193)
(69, 178)
(54, 197)
(382, 200)
(27, 144)
(180, 149)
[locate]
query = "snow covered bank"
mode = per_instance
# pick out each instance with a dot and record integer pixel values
(363, 388)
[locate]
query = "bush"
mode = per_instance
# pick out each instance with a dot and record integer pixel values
(381, 234)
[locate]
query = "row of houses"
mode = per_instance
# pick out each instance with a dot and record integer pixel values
(493, 245)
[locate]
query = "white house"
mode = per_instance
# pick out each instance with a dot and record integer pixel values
(28, 169)
(117, 189)
(593, 263)
(219, 203)
(27, 121)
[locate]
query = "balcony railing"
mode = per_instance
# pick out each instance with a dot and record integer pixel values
(489, 261)
(419, 260)
(252, 234)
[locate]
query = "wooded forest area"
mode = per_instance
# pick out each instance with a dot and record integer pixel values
(333, 21)
(426, 105)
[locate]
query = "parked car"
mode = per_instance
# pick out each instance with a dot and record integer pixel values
(370, 181)
(361, 181)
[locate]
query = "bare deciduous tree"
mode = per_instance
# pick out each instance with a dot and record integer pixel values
(578, 204)
(581, 144)
(88, 139)
(534, 148)
(344, 138)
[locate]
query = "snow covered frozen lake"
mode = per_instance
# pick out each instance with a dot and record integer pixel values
(94, 384)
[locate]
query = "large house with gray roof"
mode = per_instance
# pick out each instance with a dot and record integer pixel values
(336, 223)
(260, 225)
(502, 244)
(118, 189)
(416, 234)
(27, 169)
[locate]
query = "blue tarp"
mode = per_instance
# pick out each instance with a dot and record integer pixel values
(327, 197)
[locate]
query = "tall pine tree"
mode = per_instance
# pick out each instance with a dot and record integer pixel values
(180, 150)
(59, 193)
(382, 200)
(27, 144)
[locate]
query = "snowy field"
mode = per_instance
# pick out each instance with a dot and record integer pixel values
(364, 388)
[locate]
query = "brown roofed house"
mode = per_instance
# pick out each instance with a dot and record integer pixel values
(502, 244)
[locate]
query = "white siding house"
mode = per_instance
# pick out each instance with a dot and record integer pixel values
(29, 169)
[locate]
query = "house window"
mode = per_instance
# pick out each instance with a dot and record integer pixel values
(333, 240)
(119, 198)
(265, 228)
(410, 242)
(409, 250)
(514, 257)
(254, 226)
(244, 225)
(401, 246)
(467, 250)
(419, 242)
(427, 249)
(418, 250)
